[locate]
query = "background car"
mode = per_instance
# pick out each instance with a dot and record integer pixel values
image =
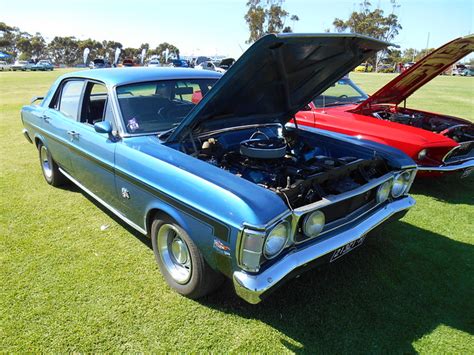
(179, 63)
(127, 62)
(22, 65)
(469, 71)
(386, 68)
(42, 65)
(228, 187)
(364, 67)
(208, 65)
(458, 69)
(4, 66)
(437, 142)
(99, 63)
(154, 63)
(407, 66)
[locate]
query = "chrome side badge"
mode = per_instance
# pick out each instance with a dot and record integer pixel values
(125, 193)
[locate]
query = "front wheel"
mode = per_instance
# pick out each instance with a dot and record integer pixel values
(50, 169)
(181, 262)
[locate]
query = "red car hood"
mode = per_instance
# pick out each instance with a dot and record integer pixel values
(421, 73)
(385, 130)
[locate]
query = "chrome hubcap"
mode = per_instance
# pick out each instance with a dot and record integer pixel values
(45, 163)
(174, 253)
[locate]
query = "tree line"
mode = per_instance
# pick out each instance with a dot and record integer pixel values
(68, 50)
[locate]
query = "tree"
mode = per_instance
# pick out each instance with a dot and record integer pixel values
(162, 47)
(64, 50)
(267, 17)
(372, 23)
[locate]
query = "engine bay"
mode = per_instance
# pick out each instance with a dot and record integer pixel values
(457, 129)
(286, 162)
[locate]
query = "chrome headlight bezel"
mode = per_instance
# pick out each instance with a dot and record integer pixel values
(310, 217)
(282, 226)
(422, 154)
(383, 191)
(401, 183)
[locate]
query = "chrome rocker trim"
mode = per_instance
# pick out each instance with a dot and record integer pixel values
(252, 287)
(448, 168)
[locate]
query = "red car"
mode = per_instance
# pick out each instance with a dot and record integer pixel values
(437, 142)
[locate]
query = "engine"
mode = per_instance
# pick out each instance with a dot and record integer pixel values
(457, 130)
(300, 173)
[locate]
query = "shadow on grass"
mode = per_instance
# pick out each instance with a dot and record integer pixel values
(451, 188)
(402, 285)
(142, 238)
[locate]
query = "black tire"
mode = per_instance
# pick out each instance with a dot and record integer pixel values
(49, 168)
(203, 280)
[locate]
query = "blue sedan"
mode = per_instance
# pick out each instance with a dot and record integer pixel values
(213, 170)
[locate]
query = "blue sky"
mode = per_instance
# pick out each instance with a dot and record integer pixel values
(209, 27)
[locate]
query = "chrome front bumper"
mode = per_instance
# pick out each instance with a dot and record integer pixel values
(252, 287)
(448, 168)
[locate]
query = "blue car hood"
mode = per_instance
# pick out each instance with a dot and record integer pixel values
(276, 77)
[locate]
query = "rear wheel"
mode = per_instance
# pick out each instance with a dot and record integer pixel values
(50, 169)
(180, 261)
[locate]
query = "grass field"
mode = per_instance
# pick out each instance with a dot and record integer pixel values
(66, 285)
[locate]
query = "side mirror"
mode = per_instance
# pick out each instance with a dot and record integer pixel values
(104, 127)
(306, 108)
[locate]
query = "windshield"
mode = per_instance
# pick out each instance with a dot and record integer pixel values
(157, 106)
(341, 93)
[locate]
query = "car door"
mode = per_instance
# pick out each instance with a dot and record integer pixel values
(93, 152)
(59, 117)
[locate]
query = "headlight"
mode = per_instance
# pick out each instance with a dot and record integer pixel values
(314, 223)
(383, 191)
(276, 240)
(401, 183)
(422, 154)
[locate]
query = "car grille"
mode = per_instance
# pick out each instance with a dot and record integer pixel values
(464, 151)
(342, 212)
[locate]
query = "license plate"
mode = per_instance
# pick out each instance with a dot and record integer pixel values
(467, 172)
(347, 248)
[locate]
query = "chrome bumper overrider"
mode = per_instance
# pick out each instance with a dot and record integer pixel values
(252, 287)
(447, 168)
(27, 136)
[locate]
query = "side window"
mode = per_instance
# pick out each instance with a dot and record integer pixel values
(70, 98)
(94, 103)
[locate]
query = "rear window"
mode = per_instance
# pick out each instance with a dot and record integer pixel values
(152, 107)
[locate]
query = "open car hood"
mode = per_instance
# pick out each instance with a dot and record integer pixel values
(276, 77)
(405, 84)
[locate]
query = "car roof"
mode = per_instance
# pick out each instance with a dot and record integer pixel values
(121, 76)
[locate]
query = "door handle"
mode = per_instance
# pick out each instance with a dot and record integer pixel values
(46, 118)
(73, 134)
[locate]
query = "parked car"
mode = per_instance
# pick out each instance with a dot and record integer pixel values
(364, 67)
(226, 187)
(458, 69)
(469, 71)
(43, 65)
(179, 63)
(154, 63)
(407, 66)
(127, 62)
(226, 63)
(209, 66)
(99, 63)
(437, 142)
(4, 66)
(23, 65)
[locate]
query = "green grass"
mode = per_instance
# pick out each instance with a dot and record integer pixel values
(68, 286)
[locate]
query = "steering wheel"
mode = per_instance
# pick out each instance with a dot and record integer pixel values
(343, 96)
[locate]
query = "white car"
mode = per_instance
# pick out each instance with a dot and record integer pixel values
(209, 66)
(154, 63)
(4, 65)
